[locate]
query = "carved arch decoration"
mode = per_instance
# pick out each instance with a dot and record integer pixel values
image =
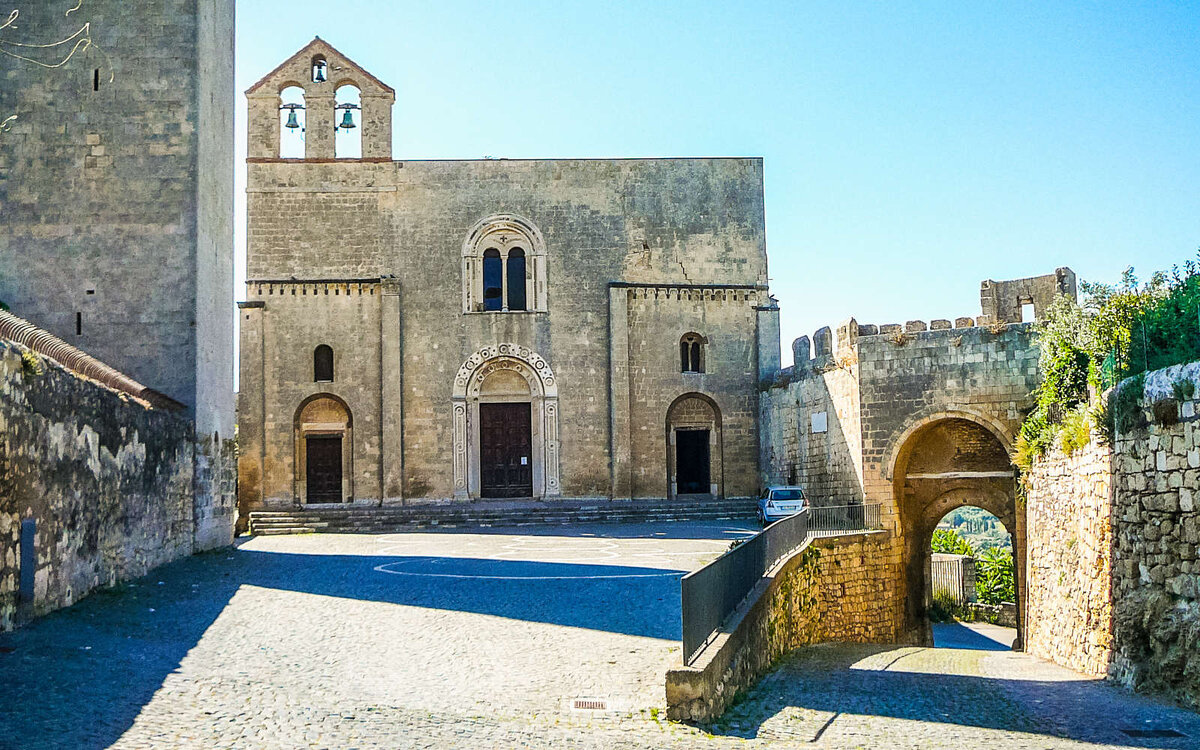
(468, 392)
(504, 233)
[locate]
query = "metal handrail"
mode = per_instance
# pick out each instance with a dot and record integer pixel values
(711, 594)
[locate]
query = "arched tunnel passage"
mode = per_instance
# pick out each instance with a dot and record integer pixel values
(970, 563)
(946, 463)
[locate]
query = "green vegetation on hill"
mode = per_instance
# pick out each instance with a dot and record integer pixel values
(977, 528)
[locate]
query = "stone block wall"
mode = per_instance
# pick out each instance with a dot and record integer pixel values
(836, 589)
(637, 252)
(110, 482)
(117, 185)
(1069, 536)
(1121, 523)
(812, 433)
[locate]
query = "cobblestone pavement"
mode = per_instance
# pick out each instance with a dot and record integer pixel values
(480, 640)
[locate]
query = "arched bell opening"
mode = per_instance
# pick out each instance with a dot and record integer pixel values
(292, 123)
(347, 133)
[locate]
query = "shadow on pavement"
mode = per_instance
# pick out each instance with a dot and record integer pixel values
(79, 677)
(822, 685)
(958, 635)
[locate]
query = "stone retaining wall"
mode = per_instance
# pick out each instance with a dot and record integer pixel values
(110, 482)
(1114, 542)
(1069, 537)
(836, 589)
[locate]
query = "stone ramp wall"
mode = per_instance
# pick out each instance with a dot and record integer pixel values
(1114, 548)
(1069, 536)
(109, 481)
(836, 589)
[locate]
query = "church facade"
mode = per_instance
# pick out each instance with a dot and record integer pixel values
(420, 331)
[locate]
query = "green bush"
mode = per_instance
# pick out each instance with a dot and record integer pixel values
(995, 581)
(1075, 432)
(1121, 330)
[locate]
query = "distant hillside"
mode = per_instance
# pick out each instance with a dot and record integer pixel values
(981, 529)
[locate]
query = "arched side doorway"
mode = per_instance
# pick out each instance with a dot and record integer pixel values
(505, 411)
(943, 463)
(694, 447)
(323, 451)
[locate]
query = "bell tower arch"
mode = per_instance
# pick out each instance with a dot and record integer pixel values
(320, 71)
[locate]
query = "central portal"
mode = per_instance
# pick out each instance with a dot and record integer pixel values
(691, 462)
(505, 450)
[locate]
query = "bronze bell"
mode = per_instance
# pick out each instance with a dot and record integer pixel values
(292, 121)
(347, 120)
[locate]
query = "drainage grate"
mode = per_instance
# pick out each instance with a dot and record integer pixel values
(1154, 733)
(589, 704)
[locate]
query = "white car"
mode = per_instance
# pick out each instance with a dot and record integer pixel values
(780, 502)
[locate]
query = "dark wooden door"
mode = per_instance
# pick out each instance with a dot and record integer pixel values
(505, 456)
(324, 468)
(691, 462)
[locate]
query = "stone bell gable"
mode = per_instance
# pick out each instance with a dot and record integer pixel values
(320, 71)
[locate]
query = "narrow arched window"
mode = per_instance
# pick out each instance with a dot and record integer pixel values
(323, 364)
(493, 280)
(516, 279)
(691, 353)
(320, 69)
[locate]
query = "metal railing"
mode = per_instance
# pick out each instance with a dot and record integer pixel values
(832, 520)
(713, 593)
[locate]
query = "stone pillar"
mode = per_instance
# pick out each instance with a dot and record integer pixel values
(262, 125)
(318, 125)
(391, 395)
(251, 411)
(768, 340)
(618, 379)
(377, 126)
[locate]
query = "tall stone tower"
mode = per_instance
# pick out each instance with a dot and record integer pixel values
(116, 188)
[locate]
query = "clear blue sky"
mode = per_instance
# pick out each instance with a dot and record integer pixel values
(910, 150)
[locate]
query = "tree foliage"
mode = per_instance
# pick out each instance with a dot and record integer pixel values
(948, 542)
(995, 581)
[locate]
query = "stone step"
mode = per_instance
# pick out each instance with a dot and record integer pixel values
(367, 520)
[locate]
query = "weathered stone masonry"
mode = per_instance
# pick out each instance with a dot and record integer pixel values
(115, 486)
(383, 261)
(1114, 585)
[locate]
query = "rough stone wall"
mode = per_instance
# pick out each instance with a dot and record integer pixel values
(1001, 301)
(1069, 537)
(1156, 566)
(664, 222)
(117, 189)
(214, 488)
(837, 589)
(1115, 542)
(109, 481)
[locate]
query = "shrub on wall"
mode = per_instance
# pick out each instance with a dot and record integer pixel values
(1120, 331)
